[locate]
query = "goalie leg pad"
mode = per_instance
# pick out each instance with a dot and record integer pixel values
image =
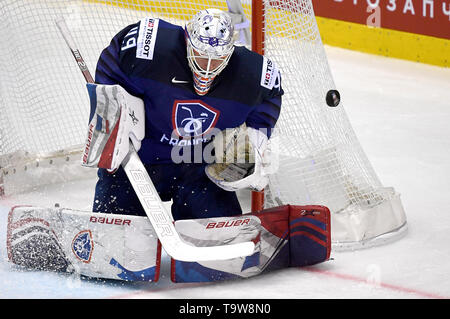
(92, 244)
(309, 235)
(32, 244)
(285, 236)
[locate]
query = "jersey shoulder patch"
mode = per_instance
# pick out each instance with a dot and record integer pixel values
(270, 74)
(141, 37)
(145, 44)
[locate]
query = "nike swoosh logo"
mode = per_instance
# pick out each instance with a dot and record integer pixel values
(174, 80)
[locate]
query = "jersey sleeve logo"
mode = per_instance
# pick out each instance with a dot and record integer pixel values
(193, 118)
(270, 75)
(146, 40)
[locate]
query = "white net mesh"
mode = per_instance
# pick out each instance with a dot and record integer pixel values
(44, 106)
(316, 142)
(320, 158)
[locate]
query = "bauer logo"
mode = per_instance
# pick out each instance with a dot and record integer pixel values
(110, 221)
(88, 144)
(229, 223)
(193, 118)
(83, 246)
(148, 30)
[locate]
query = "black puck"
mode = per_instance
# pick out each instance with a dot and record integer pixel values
(333, 98)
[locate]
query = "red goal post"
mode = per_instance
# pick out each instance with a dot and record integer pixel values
(257, 46)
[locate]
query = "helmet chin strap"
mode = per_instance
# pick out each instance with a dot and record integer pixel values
(202, 84)
(203, 79)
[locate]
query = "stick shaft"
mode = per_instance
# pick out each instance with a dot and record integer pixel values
(75, 52)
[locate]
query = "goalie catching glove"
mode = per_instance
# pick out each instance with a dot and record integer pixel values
(242, 159)
(116, 118)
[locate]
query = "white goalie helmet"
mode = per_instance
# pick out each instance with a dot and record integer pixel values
(210, 45)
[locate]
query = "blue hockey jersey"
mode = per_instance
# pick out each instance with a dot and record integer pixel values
(149, 60)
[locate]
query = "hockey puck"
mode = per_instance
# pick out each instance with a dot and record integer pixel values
(333, 98)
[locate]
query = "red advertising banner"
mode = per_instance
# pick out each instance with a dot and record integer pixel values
(427, 17)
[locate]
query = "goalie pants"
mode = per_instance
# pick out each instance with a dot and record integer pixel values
(193, 194)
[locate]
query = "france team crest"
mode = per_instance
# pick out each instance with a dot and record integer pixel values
(193, 118)
(83, 246)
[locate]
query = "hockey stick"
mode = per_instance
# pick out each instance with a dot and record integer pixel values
(150, 200)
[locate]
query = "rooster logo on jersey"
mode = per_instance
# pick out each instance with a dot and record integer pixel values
(193, 118)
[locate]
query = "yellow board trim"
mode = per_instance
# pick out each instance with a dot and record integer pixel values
(183, 11)
(353, 36)
(385, 42)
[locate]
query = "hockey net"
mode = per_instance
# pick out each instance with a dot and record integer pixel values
(44, 106)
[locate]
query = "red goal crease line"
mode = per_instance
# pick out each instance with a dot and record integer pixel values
(381, 284)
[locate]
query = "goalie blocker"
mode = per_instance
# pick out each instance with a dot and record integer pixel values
(126, 247)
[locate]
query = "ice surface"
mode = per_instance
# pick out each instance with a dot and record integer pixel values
(401, 113)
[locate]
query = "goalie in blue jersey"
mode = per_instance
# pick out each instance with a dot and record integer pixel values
(172, 91)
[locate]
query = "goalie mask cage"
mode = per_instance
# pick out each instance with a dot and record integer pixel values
(44, 107)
